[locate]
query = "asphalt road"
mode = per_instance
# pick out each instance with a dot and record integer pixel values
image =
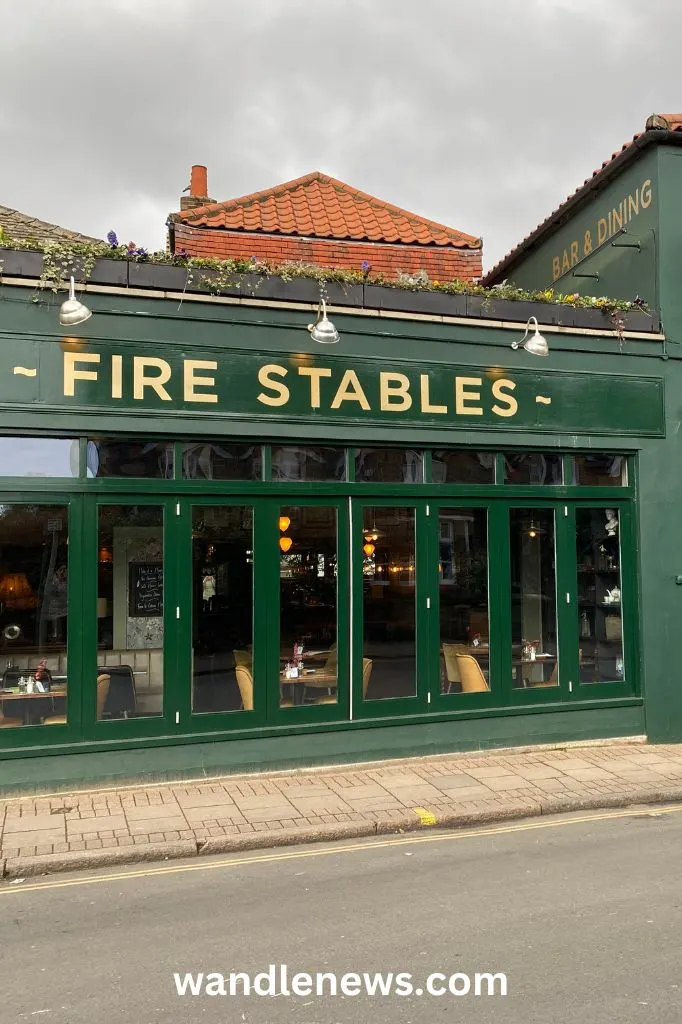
(582, 916)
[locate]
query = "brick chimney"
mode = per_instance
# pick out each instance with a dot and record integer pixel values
(198, 189)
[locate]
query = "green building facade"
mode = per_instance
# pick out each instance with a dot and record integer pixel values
(224, 545)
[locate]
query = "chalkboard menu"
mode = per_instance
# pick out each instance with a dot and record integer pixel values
(145, 590)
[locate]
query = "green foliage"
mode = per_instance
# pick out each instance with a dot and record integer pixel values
(79, 258)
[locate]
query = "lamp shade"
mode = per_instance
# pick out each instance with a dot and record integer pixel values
(535, 343)
(72, 311)
(284, 523)
(16, 591)
(285, 543)
(368, 549)
(323, 330)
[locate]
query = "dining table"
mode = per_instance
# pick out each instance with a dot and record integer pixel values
(295, 688)
(32, 707)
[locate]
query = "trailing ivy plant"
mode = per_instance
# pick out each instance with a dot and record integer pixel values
(62, 260)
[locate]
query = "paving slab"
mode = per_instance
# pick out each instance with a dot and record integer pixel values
(86, 829)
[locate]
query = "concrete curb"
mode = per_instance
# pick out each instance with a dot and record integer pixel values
(25, 867)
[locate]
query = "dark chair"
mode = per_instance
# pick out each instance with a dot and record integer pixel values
(121, 698)
(11, 677)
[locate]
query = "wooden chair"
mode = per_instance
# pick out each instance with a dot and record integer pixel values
(103, 682)
(245, 684)
(470, 675)
(9, 723)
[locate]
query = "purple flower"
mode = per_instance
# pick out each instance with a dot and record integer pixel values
(112, 239)
(365, 266)
(141, 253)
(182, 254)
(254, 259)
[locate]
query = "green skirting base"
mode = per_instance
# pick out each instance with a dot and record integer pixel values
(54, 772)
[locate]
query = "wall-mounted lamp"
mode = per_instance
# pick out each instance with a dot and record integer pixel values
(534, 343)
(72, 311)
(323, 330)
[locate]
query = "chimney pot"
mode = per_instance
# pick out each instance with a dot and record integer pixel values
(199, 181)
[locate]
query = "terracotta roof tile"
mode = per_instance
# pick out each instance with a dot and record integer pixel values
(655, 122)
(319, 206)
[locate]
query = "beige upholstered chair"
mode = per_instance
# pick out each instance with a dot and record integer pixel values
(103, 681)
(245, 684)
(242, 657)
(366, 673)
(450, 652)
(470, 674)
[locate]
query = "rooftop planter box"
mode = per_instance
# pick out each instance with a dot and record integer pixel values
(277, 287)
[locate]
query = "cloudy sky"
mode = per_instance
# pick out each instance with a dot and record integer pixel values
(482, 114)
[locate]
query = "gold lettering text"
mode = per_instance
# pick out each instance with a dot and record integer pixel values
(500, 389)
(71, 374)
(194, 380)
(350, 390)
(315, 373)
(394, 392)
(464, 397)
(645, 194)
(117, 376)
(265, 375)
(574, 253)
(556, 268)
(426, 398)
(602, 231)
(142, 380)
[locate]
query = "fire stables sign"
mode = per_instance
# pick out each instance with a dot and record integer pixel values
(215, 385)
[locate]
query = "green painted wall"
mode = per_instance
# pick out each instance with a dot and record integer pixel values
(154, 325)
(633, 200)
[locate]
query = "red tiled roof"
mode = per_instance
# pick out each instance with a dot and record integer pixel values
(318, 206)
(654, 123)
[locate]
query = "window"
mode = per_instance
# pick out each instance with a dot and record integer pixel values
(130, 593)
(213, 460)
(463, 589)
(599, 595)
(389, 465)
(300, 463)
(533, 468)
(533, 599)
(34, 614)
(600, 470)
(130, 459)
(39, 456)
(460, 467)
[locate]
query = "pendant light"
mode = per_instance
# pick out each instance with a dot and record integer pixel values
(285, 544)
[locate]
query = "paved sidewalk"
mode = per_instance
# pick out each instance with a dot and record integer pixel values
(186, 819)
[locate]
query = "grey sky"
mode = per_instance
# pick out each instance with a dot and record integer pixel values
(482, 114)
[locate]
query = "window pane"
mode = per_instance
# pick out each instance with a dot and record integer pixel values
(33, 614)
(599, 595)
(308, 605)
(222, 609)
(130, 459)
(532, 468)
(295, 463)
(39, 456)
(533, 593)
(463, 584)
(130, 611)
(389, 465)
(216, 461)
(601, 470)
(389, 607)
(448, 467)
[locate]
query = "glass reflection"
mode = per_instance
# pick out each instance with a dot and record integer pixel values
(533, 468)
(599, 595)
(463, 585)
(454, 467)
(389, 603)
(600, 470)
(130, 459)
(533, 593)
(217, 461)
(222, 608)
(39, 456)
(297, 463)
(308, 574)
(130, 611)
(33, 614)
(389, 465)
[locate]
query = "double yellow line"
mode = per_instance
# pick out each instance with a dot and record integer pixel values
(302, 853)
